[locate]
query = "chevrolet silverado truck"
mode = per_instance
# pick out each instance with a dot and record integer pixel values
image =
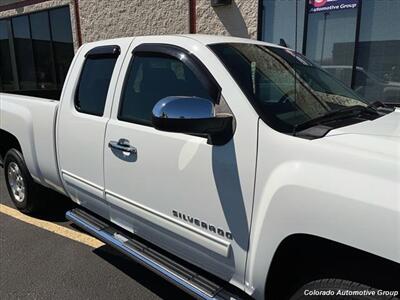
(231, 167)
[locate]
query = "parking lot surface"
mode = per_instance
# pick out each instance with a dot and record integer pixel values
(36, 263)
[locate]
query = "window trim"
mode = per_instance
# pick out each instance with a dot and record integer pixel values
(108, 51)
(189, 59)
(101, 52)
(174, 52)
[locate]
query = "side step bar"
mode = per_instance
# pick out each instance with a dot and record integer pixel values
(174, 272)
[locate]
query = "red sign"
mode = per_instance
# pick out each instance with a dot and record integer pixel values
(318, 3)
(331, 5)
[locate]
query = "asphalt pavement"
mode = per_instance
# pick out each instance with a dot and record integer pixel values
(38, 264)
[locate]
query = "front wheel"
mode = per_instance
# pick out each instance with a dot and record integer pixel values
(21, 187)
(332, 289)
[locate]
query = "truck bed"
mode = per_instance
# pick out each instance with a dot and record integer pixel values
(32, 121)
(47, 94)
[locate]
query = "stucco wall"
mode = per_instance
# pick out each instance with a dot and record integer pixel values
(102, 19)
(105, 19)
(118, 18)
(237, 19)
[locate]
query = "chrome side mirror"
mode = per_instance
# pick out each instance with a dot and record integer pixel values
(184, 108)
(192, 115)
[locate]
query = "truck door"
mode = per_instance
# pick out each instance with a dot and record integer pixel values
(175, 190)
(84, 112)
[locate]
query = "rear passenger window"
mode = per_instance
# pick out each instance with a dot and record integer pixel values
(93, 85)
(152, 78)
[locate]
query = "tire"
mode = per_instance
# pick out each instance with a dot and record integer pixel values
(335, 289)
(24, 192)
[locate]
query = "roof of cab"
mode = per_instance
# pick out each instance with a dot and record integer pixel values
(217, 39)
(204, 39)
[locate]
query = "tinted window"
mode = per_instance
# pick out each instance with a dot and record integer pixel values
(42, 50)
(283, 21)
(330, 38)
(153, 78)
(93, 85)
(378, 59)
(59, 17)
(62, 41)
(24, 53)
(36, 50)
(6, 75)
(285, 87)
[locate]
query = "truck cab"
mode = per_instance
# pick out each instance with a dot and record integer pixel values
(232, 155)
(117, 85)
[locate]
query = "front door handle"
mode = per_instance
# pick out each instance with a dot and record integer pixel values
(122, 145)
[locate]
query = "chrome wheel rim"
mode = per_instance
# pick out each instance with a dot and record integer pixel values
(16, 182)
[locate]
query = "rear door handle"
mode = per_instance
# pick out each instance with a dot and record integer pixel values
(122, 145)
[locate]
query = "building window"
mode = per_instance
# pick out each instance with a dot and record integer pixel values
(24, 53)
(283, 22)
(355, 40)
(60, 22)
(6, 72)
(331, 41)
(42, 50)
(35, 52)
(377, 74)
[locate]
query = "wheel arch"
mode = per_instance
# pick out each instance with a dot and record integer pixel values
(31, 122)
(345, 209)
(302, 258)
(8, 141)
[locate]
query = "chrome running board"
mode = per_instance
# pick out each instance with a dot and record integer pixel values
(173, 271)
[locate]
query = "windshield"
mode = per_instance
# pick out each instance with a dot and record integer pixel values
(284, 86)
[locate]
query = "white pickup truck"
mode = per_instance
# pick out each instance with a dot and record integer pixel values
(230, 167)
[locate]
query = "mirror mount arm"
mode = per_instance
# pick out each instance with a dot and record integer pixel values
(218, 130)
(223, 131)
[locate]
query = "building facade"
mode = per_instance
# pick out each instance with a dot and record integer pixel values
(358, 41)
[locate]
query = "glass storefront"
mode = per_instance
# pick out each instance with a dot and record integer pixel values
(378, 59)
(6, 70)
(35, 52)
(358, 41)
(288, 29)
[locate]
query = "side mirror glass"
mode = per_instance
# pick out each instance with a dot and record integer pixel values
(192, 115)
(184, 108)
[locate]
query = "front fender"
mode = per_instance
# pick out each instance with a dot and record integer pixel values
(303, 191)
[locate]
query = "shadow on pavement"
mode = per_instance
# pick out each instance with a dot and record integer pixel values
(148, 279)
(54, 208)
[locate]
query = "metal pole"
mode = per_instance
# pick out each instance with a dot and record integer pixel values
(323, 37)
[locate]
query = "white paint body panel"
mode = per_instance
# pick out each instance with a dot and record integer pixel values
(32, 120)
(80, 138)
(343, 187)
(213, 184)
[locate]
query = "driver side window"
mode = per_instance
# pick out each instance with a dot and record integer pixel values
(152, 78)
